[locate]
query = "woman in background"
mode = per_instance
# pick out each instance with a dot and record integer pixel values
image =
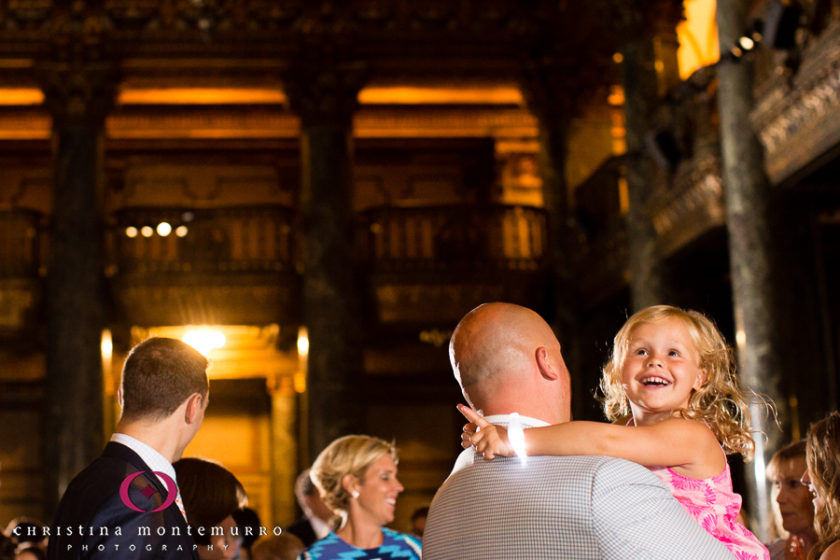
(357, 477)
(211, 494)
(785, 471)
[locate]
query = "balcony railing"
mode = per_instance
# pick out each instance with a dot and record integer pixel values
(440, 238)
(208, 241)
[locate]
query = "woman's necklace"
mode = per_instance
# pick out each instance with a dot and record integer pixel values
(796, 549)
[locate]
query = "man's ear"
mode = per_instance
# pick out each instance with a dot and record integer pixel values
(195, 404)
(120, 396)
(546, 365)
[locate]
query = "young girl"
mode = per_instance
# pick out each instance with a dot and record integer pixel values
(670, 386)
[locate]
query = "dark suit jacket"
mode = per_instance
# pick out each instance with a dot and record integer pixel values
(109, 528)
(303, 530)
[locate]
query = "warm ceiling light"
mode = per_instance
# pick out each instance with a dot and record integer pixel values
(201, 96)
(147, 231)
(21, 96)
(746, 43)
(444, 95)
(204, 340)
(181, 231)
(131, 231)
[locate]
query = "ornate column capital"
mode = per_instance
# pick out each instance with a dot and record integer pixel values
(323, 89)
(644, 19)
(78, 92)
(78, 79)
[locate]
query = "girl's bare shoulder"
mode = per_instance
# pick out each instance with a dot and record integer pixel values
(832, 552)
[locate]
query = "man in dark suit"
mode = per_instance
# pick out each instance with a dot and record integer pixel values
(125, 504)
(314, 524)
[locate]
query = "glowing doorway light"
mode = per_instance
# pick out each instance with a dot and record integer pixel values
(106, 345)
(204, 340)
(303, 342)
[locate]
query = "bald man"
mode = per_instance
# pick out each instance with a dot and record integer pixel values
(510, 366)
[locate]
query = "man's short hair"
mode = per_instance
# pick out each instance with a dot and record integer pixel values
(159, 374)
(304, 487)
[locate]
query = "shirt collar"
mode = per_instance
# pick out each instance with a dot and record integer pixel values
(467, 456)
(319, 527)
(148, 454)
(526, 421)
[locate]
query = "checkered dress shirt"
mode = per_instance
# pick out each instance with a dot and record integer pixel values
(561, 507)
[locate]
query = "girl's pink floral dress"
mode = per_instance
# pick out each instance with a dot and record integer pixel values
(715, 506)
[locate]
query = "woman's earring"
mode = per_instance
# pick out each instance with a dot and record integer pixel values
(354, 494)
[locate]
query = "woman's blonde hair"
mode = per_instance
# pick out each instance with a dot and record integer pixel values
(720, 401)
(823, 460)
(351, 455)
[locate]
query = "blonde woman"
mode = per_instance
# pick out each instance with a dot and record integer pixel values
(823, 479)
(671, 387)
(357, 477)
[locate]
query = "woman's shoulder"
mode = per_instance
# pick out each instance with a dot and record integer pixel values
(402, 539)
(832, 552)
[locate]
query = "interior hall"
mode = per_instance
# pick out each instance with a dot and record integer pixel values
(313, 193)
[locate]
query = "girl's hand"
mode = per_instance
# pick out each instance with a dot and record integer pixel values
(488, 439)
(467, 434)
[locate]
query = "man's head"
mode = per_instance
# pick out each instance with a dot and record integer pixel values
(418, 521)
(309, 499)
(158, 376)
(507, 359)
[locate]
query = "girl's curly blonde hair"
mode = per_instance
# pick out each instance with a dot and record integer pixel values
(822, 456)
(721, 402)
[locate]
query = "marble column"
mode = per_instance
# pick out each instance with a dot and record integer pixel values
(751, 254)
(78, 96)
(284, 459)
(543, 88)
(639, 78)
(324, 95)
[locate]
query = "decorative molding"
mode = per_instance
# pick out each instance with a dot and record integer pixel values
(402, 300)
(798, 119)
(694, 205)
(189, 299)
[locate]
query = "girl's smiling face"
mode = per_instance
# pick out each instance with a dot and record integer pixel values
(661, 369)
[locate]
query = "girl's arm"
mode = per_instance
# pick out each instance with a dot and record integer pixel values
(686, 444)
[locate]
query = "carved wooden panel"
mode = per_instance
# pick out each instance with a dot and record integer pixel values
(199, 185)
(798, 117)
(692, 206)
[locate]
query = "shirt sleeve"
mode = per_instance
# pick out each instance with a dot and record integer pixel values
(629, 504)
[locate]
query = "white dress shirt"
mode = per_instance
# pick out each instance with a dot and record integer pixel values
(155, 460)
